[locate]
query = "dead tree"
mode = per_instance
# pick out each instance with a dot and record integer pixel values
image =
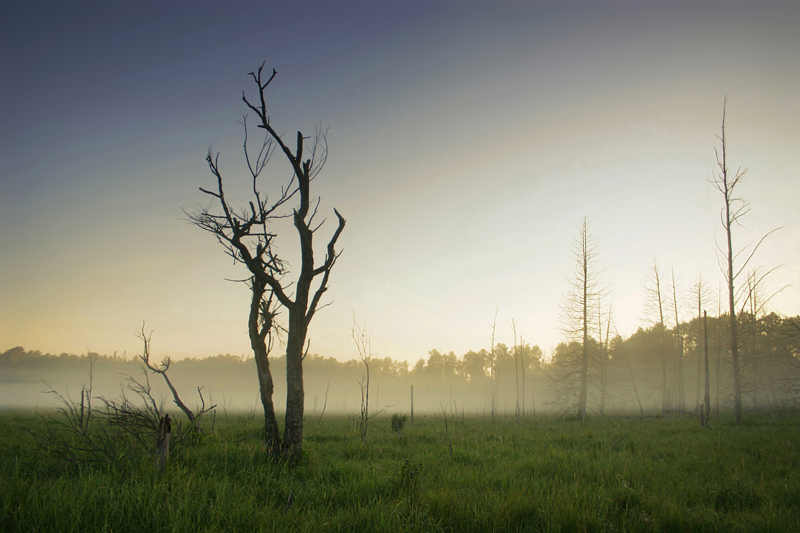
(700, 293)
(734, 209)
(115, 433)
(680, 401)
(495, 368)
(754, 299)
(654, 309)
(603, 359)
(162, 369)
(621, 344)
(576, 318)
(512, 323)
(248, 236)
(363, 342)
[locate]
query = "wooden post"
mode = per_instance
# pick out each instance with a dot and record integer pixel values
(412, 404)
(162, 452)
(708, 385)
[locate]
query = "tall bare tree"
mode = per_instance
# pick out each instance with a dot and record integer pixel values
(575, 314)
(680, 397)
(654, 309)
(734, 209)
(603, 355)
(700, 294)
(512, 323)
(753, 299)
(248, 236)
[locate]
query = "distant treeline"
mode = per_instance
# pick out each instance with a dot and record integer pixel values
(507, 380)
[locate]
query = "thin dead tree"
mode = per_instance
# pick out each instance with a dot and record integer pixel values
(522, 364)
(575, 316)
(621, 345)
(603, 355)
(363, 342)
(734, 209)
(162, 369)
(114, 431)
(325, 403)
(495, 368)
(654, 309)
(248, 236)
(700, 294)
(754, 299)
(512, 323)
(718, 368)
(680, 400)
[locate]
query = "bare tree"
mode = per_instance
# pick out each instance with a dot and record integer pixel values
(654, 309)
(621, 345)
(700, 293)
(753, 299)
(734, 209)
(680, 400)
(575, 316)
(248, 236)
(363, 342)
(116, 433)
(495, 367)
(512, 323)
(603, 355)
(162, 369)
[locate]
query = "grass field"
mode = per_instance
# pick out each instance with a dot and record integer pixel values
(605, 474)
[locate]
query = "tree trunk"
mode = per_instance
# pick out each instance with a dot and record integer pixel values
(258, 336)
(272, 436)
(162, 452)
(295, 396)
(727, 186)
(412, 404)
(585, 347)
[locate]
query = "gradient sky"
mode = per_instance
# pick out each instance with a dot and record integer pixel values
(467, 141)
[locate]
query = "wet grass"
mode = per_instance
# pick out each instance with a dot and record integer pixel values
(605, 474)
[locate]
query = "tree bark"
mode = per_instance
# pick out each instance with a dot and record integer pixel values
(295, 395)
(258, 336)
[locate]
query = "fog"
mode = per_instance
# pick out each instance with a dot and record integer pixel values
(625, 376)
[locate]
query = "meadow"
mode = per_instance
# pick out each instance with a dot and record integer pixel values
(460, 474)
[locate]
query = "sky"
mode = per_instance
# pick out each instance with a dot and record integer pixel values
(467, 142)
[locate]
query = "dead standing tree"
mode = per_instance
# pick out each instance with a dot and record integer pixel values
(162, 369)
(576, 317)
(680, 395)
(734, 209)
(700, 293)
(363, 341)
(248, 237)
(654, 310)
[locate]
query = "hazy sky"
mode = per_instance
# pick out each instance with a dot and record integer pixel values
(467, 141)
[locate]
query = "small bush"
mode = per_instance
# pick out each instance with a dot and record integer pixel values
(398, 422)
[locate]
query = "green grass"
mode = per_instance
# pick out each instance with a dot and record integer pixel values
(606, 474)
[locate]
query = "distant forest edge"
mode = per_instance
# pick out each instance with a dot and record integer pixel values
(625, 375)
